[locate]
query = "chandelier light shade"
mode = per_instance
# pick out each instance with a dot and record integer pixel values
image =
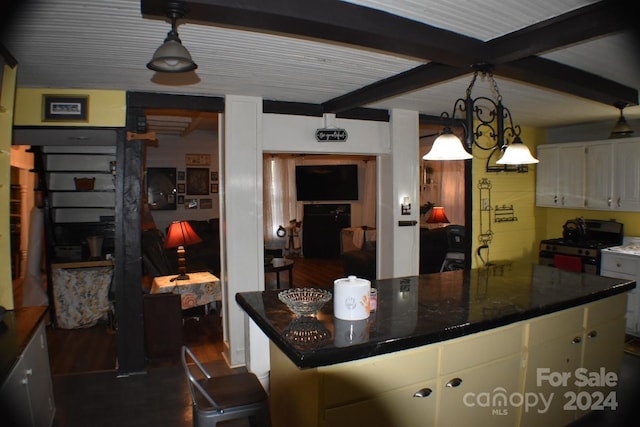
(181, 234)
(172, 56)
(517, 153)
(488, 126)
(437, 216)
(621, 128)
(447, 146)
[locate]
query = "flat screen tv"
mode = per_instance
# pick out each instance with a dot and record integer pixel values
(326, 182)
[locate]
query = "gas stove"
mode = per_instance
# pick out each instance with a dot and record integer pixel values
(580, 251)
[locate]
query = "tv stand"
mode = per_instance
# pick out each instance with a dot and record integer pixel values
(321, 227)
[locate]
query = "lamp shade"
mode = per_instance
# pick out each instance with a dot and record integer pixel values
(181, 234)
(621, 128)
(517, 154)
(437, 216)
(447, 146)
(172, 57)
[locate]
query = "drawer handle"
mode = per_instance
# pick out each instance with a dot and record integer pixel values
(454, 382)
(424, 392)
(576, 340)
(592, 334)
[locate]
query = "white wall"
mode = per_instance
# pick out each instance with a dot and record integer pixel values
(169, 152)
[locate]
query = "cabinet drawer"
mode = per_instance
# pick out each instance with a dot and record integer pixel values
(354, 381)
(480, 348)
(619, 264)
(556, 325)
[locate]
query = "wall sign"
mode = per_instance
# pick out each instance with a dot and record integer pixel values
(331, 135)
(65, 108)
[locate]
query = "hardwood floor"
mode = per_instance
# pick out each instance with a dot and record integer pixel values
(93, 349)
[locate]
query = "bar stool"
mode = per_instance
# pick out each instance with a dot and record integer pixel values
(228, 397)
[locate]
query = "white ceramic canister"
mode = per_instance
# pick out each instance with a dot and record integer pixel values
(351, 298)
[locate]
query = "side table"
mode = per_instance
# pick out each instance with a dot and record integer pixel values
(200, 289)
(280, 264)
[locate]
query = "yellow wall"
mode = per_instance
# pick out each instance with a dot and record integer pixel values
(6, 117)
(513, 240)
(105, 107)
(552, 219)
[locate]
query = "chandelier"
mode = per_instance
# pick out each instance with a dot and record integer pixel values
(488, 125)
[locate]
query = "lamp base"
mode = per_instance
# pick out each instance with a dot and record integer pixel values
(182, 276)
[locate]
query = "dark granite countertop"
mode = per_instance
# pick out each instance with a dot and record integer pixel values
(16, 329)
(421, 310)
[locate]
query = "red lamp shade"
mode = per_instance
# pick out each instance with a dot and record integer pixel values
(181, 234)
(437, 216)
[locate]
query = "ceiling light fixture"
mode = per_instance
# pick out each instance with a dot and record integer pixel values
(172, 56)
(621, 128)
(488, 125)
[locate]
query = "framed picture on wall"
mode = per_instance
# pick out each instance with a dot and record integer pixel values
(181, 200)
(191, 204)
(197, 181)
(181, 188)
(180, 175)
(161, 188)
(65, 108)
(214, 187)
(206, 204)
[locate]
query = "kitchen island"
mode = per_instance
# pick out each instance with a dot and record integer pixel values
(454, 348)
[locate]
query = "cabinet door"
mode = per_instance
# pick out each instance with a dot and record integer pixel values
(623, 266)
(599, 179)
(547, 176)
(479, 396)
(36, 357)
(627, 178)
(571, 171)
(14, 395)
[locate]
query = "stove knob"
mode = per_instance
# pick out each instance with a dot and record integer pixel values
(579, 251)
(586, 253)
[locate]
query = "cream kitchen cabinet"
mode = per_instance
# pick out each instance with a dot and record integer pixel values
(28, 390)
(560, 175)
(598, 175)
(423, 386)
(625, 266)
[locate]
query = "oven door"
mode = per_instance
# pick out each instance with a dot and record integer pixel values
(590, 265)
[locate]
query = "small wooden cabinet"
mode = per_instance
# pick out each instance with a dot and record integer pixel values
(28, 390)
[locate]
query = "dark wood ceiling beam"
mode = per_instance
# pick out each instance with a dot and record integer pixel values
(560, 77)
(414, 79)
(586, 23)
(334, 21)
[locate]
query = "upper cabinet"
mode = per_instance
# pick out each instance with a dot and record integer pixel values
(598, 175)
(560, 176)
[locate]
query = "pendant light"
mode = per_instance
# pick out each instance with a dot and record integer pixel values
(486, 118)
(621, 128)
(172, 56)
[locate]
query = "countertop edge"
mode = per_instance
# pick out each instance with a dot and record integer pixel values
(362, 351)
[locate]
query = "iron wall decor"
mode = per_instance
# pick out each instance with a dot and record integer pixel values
(65, 108)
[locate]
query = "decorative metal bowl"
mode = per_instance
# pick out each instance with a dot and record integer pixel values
(305, 301)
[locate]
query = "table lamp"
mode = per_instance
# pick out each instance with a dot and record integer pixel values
(181, 234)
(437, 216)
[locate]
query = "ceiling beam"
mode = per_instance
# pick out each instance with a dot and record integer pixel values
(449, 54)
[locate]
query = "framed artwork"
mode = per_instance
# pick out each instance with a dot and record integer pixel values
(197, 159)
(181, 189)
(181, 200)
(206, 204)
(180, 175)
(214, 176)
(214, 188)
(161, 188)
(191, 204)
(65, 108)
(197, 181)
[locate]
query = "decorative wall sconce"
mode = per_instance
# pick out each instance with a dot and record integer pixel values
(494, 130)
(405, 206)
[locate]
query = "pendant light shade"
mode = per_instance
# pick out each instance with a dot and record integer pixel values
(172, 56)
(517, 154)
(447, 146)
(621, 128)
